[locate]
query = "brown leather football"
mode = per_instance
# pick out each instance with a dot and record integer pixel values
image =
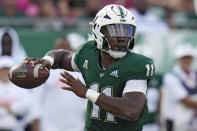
(26, 76)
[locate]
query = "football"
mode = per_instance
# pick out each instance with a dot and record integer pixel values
(28, 77)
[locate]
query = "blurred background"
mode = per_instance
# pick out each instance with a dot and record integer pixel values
(35, 26)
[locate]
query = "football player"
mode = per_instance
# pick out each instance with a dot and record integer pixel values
(116, 78)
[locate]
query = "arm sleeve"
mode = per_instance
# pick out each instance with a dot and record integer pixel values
(136, 86)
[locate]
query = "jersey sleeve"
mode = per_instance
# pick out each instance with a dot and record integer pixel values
(143, 70)
(83, 52)
(136, 86)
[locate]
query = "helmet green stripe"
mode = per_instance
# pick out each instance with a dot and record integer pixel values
(121, 12)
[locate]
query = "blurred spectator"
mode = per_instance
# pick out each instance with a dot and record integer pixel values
(51, 8)
(32, 9)
(58, 112)
(63, 8)
(147, 21)
(92, 7)
(180, 13)
(15, 102)
(10, 44)
(180, 91)
(48, 13)
(179, 5)
(8, 9)
(77, 8)
(47, 9)
(29, 7)
(22, 4)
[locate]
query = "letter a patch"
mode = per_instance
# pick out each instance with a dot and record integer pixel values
(85, 64)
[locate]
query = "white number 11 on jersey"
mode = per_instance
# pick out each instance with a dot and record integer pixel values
(95, 113)
(149, 69)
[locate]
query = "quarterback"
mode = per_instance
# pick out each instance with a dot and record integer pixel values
(115, 77)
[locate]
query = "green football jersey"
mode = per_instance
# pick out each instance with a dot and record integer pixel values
(111, 81)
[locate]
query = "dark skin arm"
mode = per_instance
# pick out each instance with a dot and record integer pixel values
(62, 60)
(129, 106)
(189, 103)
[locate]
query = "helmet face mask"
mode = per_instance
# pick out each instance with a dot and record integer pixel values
(117, 43)
(114, 30)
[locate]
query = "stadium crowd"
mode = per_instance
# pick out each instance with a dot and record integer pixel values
(174, 12)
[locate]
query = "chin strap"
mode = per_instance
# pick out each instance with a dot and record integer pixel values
(115, 54)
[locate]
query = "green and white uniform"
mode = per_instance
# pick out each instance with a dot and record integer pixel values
(111, 81)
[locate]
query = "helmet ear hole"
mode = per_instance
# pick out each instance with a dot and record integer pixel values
(131, 45)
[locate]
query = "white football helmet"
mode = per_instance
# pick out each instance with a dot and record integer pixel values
(117, 22)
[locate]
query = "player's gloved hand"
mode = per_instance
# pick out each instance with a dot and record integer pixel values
(74, 85)
(34, 61)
